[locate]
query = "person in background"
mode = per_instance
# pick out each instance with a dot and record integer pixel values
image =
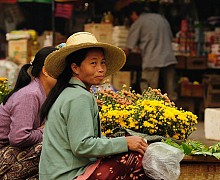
(151, 34)
(73, 147)
(20, 130)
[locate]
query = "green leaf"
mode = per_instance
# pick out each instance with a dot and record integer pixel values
(203, 153)
(217, 155)
(170, 142)
(187, 149)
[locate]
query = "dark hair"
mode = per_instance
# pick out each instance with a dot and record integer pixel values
(136, 7)
(24, 78)
(141, 7)
(76, 57)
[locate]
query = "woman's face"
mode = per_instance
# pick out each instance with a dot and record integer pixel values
(92, 69)
(48, 81)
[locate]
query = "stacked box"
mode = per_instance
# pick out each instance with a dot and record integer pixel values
(20, 50)
(102, 32)
(119, 36)
(22, 45)
(212, 123)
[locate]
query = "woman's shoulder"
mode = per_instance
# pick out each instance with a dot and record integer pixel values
(29, 91)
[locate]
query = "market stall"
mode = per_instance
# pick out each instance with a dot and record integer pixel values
(151, 114)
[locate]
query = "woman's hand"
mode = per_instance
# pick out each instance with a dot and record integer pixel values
(136, 143)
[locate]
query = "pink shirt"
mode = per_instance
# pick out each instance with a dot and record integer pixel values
(19, 117)
(89, 170)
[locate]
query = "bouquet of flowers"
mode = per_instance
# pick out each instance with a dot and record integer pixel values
(4, 88)
(150, 113)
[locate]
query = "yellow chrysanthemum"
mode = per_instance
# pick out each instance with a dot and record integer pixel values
(3, 79)
(150, 113)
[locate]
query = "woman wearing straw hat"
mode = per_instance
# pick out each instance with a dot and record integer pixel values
(20, 130)
(72, 145)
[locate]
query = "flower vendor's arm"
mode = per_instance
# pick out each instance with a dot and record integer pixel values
(83, 130)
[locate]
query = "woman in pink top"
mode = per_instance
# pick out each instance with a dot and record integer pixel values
(20, 130)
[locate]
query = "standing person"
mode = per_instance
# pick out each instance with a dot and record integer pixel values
(73, 147)
(20, 129)
(151, 34)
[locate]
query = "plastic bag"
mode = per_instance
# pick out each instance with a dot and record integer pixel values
(162, 161)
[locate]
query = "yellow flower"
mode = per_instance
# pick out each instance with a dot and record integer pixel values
(104, 107)
(3, 79)
(175, 136)
(108, 131)
(132, 122)
(147, 124)
(4, 88)
(150, 113)
(152, 131)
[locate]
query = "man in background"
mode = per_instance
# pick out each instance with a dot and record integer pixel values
(151, 34)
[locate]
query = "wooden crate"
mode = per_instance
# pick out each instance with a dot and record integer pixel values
(197, 62)
(181, 62)
(191, 90)
(212, 100)
(211, 90)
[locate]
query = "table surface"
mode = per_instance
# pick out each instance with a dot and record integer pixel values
(200, 159)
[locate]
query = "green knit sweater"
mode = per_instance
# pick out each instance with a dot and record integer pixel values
(70, 141)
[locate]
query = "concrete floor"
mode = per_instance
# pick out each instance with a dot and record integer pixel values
(199, 135)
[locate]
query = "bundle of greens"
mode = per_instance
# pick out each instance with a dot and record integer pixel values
(190, 147)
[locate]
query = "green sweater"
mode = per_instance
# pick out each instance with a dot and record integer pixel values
(70, 140)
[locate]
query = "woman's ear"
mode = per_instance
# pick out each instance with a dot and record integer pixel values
(44, 71)
(74, 68)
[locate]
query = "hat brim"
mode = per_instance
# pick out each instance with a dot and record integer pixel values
(55, 62)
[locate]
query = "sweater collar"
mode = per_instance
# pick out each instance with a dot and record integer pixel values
(77, 81)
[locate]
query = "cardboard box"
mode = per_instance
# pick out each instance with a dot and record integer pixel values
(102, 32)
(212, 123)
(20, 50)
(121, 78)
(59, 38)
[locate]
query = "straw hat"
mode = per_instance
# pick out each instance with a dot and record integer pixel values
(55, 62)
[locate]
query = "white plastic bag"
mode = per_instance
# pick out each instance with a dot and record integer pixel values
(162, 161)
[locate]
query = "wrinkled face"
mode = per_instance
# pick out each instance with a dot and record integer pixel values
(92, 69)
